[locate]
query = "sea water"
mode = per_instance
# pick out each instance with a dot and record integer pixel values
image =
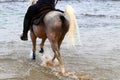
(97, 59)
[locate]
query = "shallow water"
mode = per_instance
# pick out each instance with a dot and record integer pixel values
(97, 58)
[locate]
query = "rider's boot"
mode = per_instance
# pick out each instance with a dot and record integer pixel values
(26, 27)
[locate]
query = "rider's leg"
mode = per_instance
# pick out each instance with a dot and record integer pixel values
(32, 10)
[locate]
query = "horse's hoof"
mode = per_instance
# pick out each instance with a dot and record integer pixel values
(50, 63)
(62, 70)
(41, 51)
(34, 57)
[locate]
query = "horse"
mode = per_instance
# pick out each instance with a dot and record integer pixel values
(54, 27)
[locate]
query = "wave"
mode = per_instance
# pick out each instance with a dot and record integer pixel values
(94, 15)
(2, 1)
(102, 15)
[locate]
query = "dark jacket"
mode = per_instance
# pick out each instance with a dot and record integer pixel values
(39, 7)
(48, 2)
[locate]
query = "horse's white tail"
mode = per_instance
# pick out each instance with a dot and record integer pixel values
(73, 33)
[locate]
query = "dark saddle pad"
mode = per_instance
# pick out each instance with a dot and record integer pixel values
(40, 16)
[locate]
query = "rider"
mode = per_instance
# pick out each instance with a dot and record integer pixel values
(31, 12)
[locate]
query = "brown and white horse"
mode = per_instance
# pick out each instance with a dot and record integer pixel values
(54, 27)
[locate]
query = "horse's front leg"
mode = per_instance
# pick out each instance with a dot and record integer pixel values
(33, 38)
(42, 45)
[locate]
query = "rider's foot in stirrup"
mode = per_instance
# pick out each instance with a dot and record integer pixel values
(24, 37)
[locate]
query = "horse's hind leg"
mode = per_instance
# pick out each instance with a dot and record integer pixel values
(33, 38)
(58, 56)
(42, 45)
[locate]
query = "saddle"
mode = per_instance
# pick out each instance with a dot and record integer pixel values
(42, 12)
